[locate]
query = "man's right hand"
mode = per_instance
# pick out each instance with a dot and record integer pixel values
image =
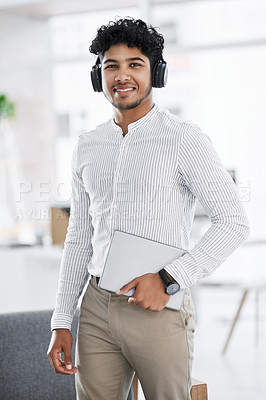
(61, 342)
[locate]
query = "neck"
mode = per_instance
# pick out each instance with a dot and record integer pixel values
(125, 117)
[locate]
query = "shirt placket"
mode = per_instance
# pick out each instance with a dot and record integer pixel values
(119, 185)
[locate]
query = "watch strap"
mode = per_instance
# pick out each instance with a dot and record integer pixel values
(165, 278)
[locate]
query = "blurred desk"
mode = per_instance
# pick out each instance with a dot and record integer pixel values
(59, 223)
(246, 290)
(245, 271)
(29, 277)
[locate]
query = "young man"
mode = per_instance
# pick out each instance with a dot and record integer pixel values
(140, 172)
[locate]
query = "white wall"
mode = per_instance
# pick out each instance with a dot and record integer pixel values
(26, 78)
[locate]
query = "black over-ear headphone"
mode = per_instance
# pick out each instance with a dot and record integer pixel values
(159, 75)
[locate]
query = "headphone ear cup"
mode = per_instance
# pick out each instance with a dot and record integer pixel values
(159, 74)
(96, 78)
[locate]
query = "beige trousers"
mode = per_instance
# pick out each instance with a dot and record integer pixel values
(115, 339)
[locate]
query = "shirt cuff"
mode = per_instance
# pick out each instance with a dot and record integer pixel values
(177, 271)
(61, 321)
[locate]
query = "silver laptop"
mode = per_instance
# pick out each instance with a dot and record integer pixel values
(130, 256)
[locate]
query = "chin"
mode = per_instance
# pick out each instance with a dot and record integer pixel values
(129, 105)
(126, 106)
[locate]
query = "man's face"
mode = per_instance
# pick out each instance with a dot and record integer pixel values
(126, 77)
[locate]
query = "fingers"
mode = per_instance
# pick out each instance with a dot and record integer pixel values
(149, 293)
(135, 302)
(67, 359)
(132, 301)
(59, 366)
(127, 287)
(66, 369)
(61, 342)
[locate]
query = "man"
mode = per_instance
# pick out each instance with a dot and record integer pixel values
(140, 173)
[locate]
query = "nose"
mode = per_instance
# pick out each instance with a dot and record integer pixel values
(122, 74)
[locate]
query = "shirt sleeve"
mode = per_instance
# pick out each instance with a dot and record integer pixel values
(77, 253)
(203, 174)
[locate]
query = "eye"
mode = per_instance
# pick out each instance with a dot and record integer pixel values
(111, 66)
(134, 64)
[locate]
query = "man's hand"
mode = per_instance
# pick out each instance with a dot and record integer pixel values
(150, 292)
(61, 342)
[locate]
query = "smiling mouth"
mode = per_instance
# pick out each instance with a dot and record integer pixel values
(124, 90)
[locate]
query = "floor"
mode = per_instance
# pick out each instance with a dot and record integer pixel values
(29, 279)
(240, 373)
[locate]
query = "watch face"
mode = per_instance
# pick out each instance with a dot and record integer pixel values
(172, 288)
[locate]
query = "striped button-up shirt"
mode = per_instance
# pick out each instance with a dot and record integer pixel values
(146, 183)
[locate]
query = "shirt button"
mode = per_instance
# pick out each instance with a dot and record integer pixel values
(114, 206)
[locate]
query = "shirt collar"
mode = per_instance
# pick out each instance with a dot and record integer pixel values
(139, 122)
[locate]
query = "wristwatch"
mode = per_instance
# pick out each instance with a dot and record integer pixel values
(171, 286)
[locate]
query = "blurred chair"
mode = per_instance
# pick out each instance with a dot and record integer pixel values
(26, 372)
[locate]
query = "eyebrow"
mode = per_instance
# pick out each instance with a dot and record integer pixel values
(128, 59)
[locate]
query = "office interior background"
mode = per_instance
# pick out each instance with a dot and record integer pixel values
(216, 54)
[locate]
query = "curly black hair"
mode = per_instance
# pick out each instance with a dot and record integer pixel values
(134, 33)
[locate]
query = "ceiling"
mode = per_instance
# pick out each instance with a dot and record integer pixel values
(49, 8)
